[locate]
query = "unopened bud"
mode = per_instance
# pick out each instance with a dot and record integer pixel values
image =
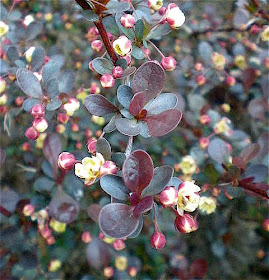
(31, 133)
(66, 161)
(127, 21)
(97, 45)
(86, 237)
(37, 111)
(230, 81)
(157, 240)
(204, 142)
(200, 80)
(107, 81)
(91, 145)
(118, 245)
(40, 124)
(109, 167)
(28, 210)
(168, 63)
(168, 197)
(117, 72)
(186, 223)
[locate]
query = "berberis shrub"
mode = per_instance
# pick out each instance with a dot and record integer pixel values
(128, 153)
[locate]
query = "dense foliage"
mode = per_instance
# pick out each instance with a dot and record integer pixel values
(134, 142)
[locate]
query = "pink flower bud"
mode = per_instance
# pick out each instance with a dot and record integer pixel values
(265, 225)
(168, 63)
(31, 133)
(117, 72)
(40, 124)
(97, 45)
(79, 145)
(254, 29)
(62, 118)
(132, 271)
(38, 111)
(186, 223)
(168, 197)
(107, 81)
(157, 240)
(108, 272)
(25, 147)
(174, 16)
(66, 161)
(162, 11)
(45, 232)
(86, 237)
(127, 21)
(109, 167)
(94, 88)
(60, 128)
(128, 59)
(19, 101)
(28, 210)
(110, 36)
(204, 142)
(230, 81)
(74, 127)
(91, 145)
(90, 66)
(198, 66)
(205, 119)
(118, 245)
(50, 240)
(200, 80)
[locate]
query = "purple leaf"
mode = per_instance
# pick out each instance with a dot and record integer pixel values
(98, 105)
(256, 109)
(218, 150)
(67, 81)
(137, 103)
(94, 211)
(137, 171)
(143, 206)
(250, 152)
(51, 150)
(161, 177)
(98, 254)
(63, 207)
(149, 78)
(163, 123)
(199, 268)
(117, 220)
(127, 127)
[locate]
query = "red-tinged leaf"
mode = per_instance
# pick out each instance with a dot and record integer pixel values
(239, 162)
(250, 152)
(94, 211)
(263, 141)
(256, 109)
(51, 150)
(163, 123)
(98, 254)
(143, 206)
(149, 78)
(199, 268)
(137, 103)
(117, 220)
(255, 189)
(248, 77)
(137, 171)
(98, 105)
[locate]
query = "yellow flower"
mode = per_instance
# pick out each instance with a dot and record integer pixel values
(226, 107)
(265, 34)
(3, 99)
(187, 165)
(98, 120)
(40, 140)
(207, 204)
(57, 226)
(71, 106)
(3, 28)
(218, 60)
(89, 168)
(109, 240)
(54, 265)
(2, 85)
(82, 95)
(29, 53)
(240, 61)
(48, 17)
(223, 126)
(121, 263)
(188, 197)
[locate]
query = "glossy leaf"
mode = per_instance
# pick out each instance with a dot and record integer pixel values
(161, 178)
(103, 147)
(161, 103)
(114, 186)
(137, 171)
(117, 220)
(137, 103)
(149, 78)
(102, 65)
(29, 83)
(250, 152)
(163, 123)
(143, 206)
(98, 254)
(127, 127)
(98, 105)
(218, 150)
(124, 95)
(63, 207)
(51, 150)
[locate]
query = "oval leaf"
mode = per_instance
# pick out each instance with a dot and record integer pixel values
(218, 150)
(137, 171)
(143, 206)
(104, 148)
(114, 186)
(127, 127)
(117, 220)
(124, 95)
(250, 152)
(102, 65)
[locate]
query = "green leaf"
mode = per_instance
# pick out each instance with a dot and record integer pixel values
(104, 148)
(102, 65)
(159, 31)
(114, 7)
(44, 184)
(139, 29)
(90, 15)
(138, 53)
